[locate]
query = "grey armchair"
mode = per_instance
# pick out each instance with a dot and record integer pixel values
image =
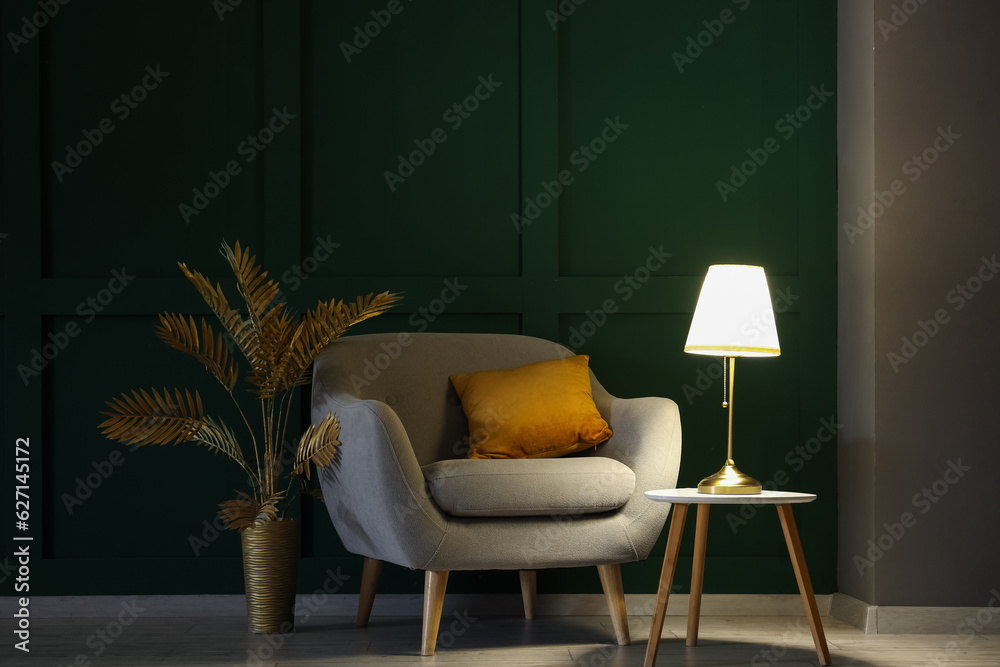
(402, 491)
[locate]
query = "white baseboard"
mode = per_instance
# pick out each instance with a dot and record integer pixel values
(854, 612)
(321, 604)
(877, 619)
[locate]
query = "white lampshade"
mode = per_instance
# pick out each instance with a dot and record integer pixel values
(734, 317)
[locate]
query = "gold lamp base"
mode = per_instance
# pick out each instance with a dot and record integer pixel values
(729, 481)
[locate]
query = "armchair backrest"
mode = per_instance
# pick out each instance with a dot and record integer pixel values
(409, 372)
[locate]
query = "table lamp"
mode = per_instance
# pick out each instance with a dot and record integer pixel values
(733, 318)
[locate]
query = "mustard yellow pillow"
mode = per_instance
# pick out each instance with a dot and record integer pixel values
(536, 411)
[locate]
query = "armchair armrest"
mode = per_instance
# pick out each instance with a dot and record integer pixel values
(647, 438)
(375, 491)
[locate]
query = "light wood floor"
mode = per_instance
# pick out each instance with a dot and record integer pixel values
(584, 641)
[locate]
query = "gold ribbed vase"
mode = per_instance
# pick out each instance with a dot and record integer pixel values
(270, 566)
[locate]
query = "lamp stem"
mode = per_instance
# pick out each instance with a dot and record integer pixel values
(729, 480)
(732, 378)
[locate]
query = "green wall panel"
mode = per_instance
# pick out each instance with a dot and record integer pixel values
(179, 110)
(447, 209)
(611, 266)
(685, 130)
(98, 486)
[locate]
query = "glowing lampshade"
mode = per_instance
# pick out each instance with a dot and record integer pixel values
(734, 317)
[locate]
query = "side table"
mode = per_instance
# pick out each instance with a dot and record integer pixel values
(684, 498)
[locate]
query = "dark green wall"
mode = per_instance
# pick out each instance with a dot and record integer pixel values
(671, 131)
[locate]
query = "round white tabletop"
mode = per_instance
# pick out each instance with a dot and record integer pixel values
(692, 497)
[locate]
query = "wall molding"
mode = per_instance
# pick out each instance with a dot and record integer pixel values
(876, 619)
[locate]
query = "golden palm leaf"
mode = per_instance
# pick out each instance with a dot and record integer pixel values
(210, 349)
(142, 419)
(221, 440)
(244, 512)
(318, 328)
(279, 327)
(241, 330)
(318, 445)
(268, 321)
(258, 294)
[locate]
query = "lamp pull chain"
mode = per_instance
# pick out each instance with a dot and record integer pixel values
(725, 396)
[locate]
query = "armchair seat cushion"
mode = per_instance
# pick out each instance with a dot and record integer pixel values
(529, 487)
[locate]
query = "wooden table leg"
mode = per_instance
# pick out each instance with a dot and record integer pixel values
(697, 574)
(666, 581)
(805, 585)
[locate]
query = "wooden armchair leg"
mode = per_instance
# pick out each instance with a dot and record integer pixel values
(529, 579)
(435, 583)
(369, 584)
(614, 593)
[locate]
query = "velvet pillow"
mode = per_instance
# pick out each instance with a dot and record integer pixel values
(535, 411)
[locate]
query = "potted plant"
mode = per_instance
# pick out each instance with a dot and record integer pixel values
(279, 347)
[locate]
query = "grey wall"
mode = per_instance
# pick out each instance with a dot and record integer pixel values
(856, 278)
(918, 111)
